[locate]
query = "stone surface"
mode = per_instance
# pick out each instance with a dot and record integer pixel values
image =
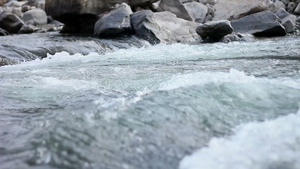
(38, 16)
(10, 22)
(2, 2)
(290, 7)
(114, 23)
(289, 23)
(282, 13)
(234, 9)
(175, 7)
(215, 30)
(264, 24)
(163, 27)
(197, 11)
(297, 9)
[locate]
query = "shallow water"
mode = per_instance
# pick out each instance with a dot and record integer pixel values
(154, 106)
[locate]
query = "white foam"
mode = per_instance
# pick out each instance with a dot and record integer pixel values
(266, 145)
(201, 78)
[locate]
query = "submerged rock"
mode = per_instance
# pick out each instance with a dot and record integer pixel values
(163, 27)
(10, 22)
(215, 30)
(114, 23)
(264, 24)
(234, 9)
(237, 37)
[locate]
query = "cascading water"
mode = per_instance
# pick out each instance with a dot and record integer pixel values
(165, 107)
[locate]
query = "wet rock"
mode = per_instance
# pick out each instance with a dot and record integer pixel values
(282, 13)
(10, 22)
(297, 9)
(234, 9)
(215, 30)
(175, 7)
(26, 29)
(115, 22)
(289, 23)
(163, 27)
(263, 24)
(37, 15)
(237, 37)
(3, 32)
(197, 11)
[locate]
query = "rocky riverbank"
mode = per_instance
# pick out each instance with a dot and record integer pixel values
(163, 21)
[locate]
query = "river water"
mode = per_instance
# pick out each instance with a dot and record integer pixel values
(129, 105)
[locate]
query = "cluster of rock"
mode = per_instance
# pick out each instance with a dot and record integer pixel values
(25, 16)
(169, 21)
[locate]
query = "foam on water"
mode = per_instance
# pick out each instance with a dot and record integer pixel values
(267, 145)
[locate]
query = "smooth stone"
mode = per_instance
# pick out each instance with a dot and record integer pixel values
(197, 11)
(37, 15)
(262, 24)
(282, 13)
(297, 9)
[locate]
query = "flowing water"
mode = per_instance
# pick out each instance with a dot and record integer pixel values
(129, 105)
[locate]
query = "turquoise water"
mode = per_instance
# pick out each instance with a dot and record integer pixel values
(166, 106)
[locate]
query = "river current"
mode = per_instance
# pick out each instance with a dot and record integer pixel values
(130, 105)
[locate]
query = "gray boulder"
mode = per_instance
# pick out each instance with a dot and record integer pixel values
(10, 22)
(263, 24)
(3, 32)
(297, 9)
(234, 9)
(279, 4)
(282, 13)
(115, 22)
(163, 27)
(215, 30)
(289, 23)
(38, 16)
(175, 7)
(197, 11)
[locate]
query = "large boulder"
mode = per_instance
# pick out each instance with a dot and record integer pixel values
(176, 7)
(115, 22)
(64, 10)
(163, 27)
(234, 9)
(197, 11)
(264, 24)
(282, 13)
(38, 16)
(10, 22)
(215, 30)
